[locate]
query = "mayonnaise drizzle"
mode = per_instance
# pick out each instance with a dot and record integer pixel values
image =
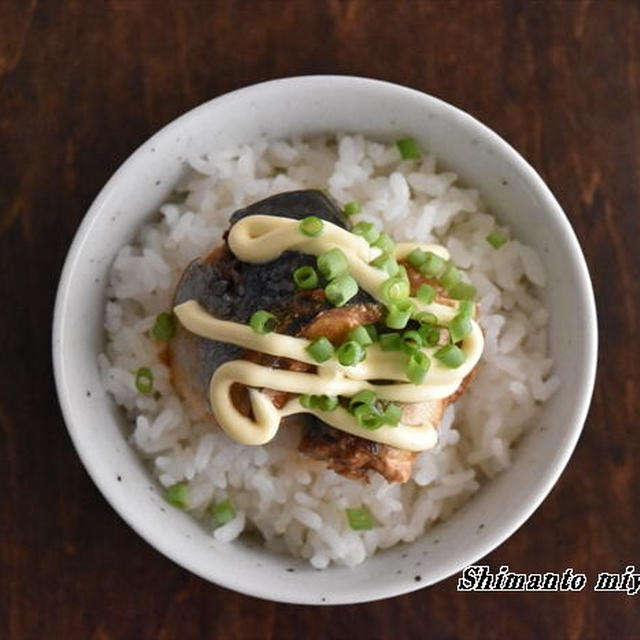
(263, 238)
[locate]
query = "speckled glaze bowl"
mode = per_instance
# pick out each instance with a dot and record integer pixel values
(305, 106)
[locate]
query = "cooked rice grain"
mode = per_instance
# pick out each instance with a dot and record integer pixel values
(296, 503)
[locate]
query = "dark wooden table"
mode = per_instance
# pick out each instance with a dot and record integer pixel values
(84, 83)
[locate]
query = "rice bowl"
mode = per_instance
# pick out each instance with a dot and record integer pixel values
(481, 460)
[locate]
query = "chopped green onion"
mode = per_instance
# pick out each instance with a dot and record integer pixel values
(496, 239)
(416, 258)
(305, 277)
(352, 208)
(392, 414)
(466, 308)
(144, 380)
(325, 403)
(366, 397)
(263, 322)
(322, 402)
(350, 353)
(372, 331)
(417, 367)
(359, 519)
(320, 349)
(390, 341)
(394, 289)
(385, 242)
(409, 149)
(426, 294)
(360, 335)
(462, 291)
(450, 277)
(332, 263)
(433, 265)
(367, 230)
(430, 334)
(459, 328)
(178, 495)
(164, 327)
(311, 226)
(387, 263)
(223, 512)
(399, 314)
(411, 340)
(450, 355)
(426, 317)
(368, 417)
(340, 290)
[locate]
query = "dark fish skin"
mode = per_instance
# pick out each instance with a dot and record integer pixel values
(233, 290)
(296, 205)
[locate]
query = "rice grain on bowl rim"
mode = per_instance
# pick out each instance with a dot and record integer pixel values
(296, 503)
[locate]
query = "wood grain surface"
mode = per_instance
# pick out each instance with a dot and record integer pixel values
(83, 83)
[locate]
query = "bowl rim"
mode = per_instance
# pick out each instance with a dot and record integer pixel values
(586, 295)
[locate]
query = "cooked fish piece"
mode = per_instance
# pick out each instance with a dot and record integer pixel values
(233, 290)
(355, 457)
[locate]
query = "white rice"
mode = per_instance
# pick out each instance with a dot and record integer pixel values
(297, 504)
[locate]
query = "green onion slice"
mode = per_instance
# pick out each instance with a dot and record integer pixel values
(399, 313)
(332, 263)
(392, 414)
(426, 294)
(360, 335)
(466, 308)
(144, 380)
(223, 512)
(450, 277)
(450, 355)
(372, 331)
(368, 417)
(305, 277)
(320, 349)
(322, 402)
(394, 289)
(426, 317)
(325, 403)
(462, 291)
(459, 327)
(340, 290)
(367, 230)
(366, 397)
(430, 334)
(360, 519)
(387, 263)
(178, 495)
(385, 243)
(390, 341)
(408, 148)
(311, 226)
(416, 258)
(417, 367)
(350, 353)
(164, 327)
(352, 208)
(263, 322)
(411, 340)
(433, 265)
(496, 239)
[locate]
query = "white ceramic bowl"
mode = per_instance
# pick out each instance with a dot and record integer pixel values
(304, 106)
